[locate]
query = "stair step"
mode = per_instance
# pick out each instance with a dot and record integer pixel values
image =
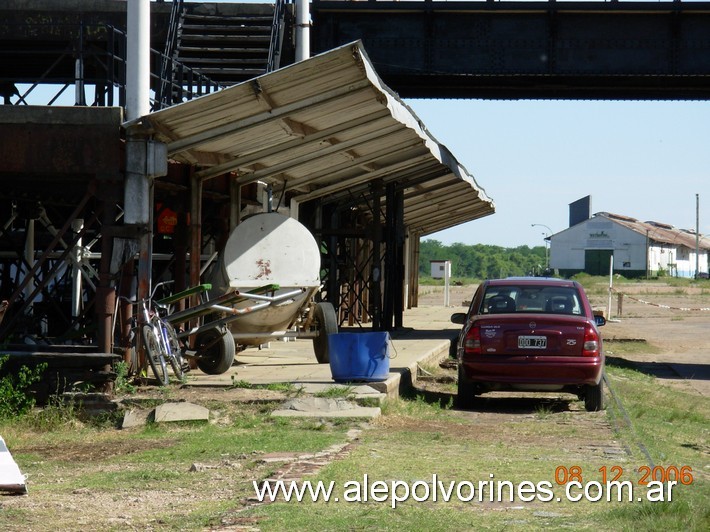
(232, 71)
(195, 62)
(186, 28)
(227, 38)
(222, 19)
(192, 51)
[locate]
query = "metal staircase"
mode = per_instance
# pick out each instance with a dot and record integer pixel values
(226, 48)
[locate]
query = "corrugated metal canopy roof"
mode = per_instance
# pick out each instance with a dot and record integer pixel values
(324, 128)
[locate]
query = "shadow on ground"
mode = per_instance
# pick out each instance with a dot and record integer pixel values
(663, 370)
(496, 403)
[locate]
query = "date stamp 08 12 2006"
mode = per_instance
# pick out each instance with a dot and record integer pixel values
(658, 480)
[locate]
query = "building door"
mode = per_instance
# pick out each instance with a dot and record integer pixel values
(596, 261)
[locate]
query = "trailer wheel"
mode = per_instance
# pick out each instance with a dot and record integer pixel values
(215, 351)
(327, 323)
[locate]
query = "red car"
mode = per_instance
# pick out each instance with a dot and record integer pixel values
(530, 334)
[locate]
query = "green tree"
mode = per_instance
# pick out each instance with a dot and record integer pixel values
(481, 261)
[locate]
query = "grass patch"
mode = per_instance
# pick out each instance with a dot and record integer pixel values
(618, 348)
(336, 392)
(670, 422)
(673, 426)
(288, 388)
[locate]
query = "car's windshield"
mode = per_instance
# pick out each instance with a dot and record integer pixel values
(514, 298)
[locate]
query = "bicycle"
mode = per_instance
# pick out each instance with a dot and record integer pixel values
(160, 340)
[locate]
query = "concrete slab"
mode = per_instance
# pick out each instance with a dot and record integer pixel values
(325, 407)
(171, 412)
(363, 394)
(136, 417)
(165, 413)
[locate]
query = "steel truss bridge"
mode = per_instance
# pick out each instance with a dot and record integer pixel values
(575, 50)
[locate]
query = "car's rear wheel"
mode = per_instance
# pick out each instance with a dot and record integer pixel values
(466, 392)
(594, 397)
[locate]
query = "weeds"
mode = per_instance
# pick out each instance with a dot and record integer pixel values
(54, 415)
(543, 411)
(288, 388)
(15, 394)
(123, 385)
(241, 383)
(335, 392)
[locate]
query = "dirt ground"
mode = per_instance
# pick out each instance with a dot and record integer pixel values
(677, 340)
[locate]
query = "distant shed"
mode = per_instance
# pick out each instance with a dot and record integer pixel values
(639, 248)
(438, 268)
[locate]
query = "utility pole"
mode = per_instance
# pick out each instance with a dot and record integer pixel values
(697, 236)
(547, 244)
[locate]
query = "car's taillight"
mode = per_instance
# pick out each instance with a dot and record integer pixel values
(591, 343)
(472, 342)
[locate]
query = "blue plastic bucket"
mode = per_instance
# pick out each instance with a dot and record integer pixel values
(359, 356)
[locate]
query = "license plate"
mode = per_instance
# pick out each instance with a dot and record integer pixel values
(532, 342)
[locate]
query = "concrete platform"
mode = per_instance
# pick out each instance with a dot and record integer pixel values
(424, 339)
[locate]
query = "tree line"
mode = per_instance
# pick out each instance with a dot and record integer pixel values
(481, 261)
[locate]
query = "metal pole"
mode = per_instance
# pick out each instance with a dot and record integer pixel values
(648, 255)
(79, 92)
(697, 235)
(376, 270)
(547, 250)
(76, 226)
(407, 268)
(138, 189)
(138, 59)
(29, 258)
(611, 283)
(447, 284)
(235, 204)
(303, 45)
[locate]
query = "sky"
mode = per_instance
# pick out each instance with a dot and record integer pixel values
(646, 160)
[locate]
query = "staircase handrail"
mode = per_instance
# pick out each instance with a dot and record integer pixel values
(164, 95)
(277, 31)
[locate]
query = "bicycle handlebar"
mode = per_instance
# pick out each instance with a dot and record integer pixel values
(150, 297)
(161, 283)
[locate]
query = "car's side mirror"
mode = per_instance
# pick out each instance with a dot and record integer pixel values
(458, 318)
(599, 320)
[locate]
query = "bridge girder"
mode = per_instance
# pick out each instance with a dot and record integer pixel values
(511, 50)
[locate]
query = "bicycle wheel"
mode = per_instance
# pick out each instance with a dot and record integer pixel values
(175, 355)
(155, 357)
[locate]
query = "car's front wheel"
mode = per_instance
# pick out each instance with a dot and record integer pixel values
(594, 397)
